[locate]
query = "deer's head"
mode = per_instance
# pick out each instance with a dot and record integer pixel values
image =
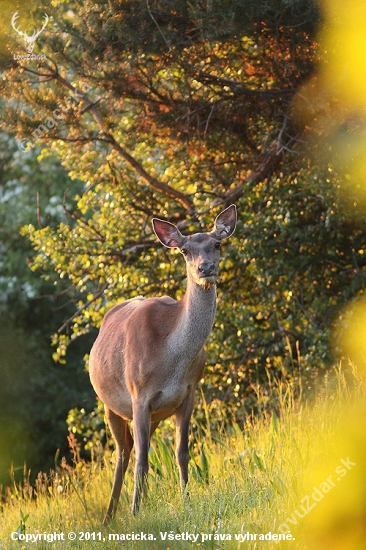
(201, 250)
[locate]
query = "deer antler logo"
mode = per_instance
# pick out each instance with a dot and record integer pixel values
(29, 40)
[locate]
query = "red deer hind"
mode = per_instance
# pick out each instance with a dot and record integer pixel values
(148, 357)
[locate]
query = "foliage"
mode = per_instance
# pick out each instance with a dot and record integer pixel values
(174, 109)
(247, 477)
(35, 393)
(90, 426)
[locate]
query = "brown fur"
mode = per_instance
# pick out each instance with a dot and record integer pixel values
(149, 356)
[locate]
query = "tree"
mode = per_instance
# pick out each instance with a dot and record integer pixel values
(35, 394)
(174, 109)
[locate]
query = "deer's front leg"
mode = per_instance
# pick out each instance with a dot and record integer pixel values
(183, 416)
(141, 434)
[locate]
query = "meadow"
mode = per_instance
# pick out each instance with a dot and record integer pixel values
(298, 472)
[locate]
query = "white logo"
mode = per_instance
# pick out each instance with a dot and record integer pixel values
(29, 40)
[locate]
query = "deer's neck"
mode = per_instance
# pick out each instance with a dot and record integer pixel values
(197, 314)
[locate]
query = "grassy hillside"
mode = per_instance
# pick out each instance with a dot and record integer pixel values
(271, 476)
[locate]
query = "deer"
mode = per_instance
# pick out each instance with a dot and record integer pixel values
(149, 356)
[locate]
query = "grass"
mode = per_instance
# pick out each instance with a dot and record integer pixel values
(243, 479)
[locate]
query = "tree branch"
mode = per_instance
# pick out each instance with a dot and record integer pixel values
(84, 306)
(264, 170)
(237, 87)
(109, 138)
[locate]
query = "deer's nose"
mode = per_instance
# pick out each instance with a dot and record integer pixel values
(207, 268)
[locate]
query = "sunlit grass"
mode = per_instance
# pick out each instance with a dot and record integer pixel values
(243, 479)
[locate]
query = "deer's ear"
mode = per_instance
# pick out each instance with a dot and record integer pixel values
(167, 233)
(225, 223)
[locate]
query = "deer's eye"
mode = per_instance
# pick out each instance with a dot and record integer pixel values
(217, 246)
(184, 251)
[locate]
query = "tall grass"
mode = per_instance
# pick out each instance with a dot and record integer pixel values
(244, 479)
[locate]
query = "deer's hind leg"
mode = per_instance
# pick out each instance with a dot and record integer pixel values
(124, 443)
(183, 416)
